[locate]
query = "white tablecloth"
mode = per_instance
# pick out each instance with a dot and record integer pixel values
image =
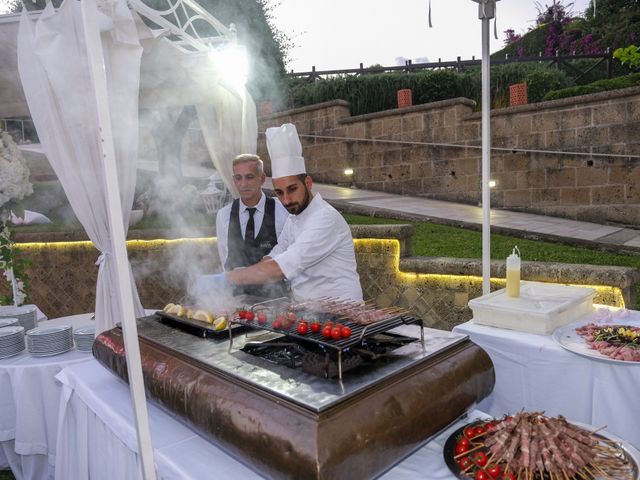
(535, 373)
(97, 438)
(29, 401)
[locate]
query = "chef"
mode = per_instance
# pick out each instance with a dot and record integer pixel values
(315, 250)
(248, 228)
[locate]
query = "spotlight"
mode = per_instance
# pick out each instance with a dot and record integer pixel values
(348, 171)
(492, 184)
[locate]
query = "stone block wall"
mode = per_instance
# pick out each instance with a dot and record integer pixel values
(433, 150)
(63, 274)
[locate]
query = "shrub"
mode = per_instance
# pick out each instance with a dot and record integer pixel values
(595, 87)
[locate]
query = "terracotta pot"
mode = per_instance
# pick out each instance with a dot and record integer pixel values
(518, 94)
(405, 98)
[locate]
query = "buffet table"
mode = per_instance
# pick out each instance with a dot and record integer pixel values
(96, 410)
(535, 373)
(29, 401)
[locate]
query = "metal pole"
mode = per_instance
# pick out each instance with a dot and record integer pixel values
(486, 11)
(118, 246)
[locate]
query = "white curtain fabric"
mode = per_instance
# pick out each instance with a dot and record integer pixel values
(229, 128)
(54, 70)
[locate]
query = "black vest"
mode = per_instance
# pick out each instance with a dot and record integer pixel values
(243, 253)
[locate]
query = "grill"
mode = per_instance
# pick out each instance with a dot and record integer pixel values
(339, 347)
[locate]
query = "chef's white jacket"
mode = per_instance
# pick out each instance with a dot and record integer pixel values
(223, 218)
(315, 252)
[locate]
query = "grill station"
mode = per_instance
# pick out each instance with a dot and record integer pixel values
(304, 406)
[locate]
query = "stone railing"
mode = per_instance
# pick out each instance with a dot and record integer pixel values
(63, 274)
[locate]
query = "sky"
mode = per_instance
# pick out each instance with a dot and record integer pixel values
(340, 34)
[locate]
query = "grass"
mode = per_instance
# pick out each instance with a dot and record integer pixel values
(432, 240)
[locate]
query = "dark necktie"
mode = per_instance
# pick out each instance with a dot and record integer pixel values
(251, 228)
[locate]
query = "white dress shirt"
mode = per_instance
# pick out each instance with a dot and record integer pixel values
(316, 254)
(224, 214)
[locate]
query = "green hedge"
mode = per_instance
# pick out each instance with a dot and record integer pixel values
(377, 92)
(595, 87)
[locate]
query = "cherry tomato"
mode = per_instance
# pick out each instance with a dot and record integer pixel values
(480, 458)
(315, 327)
(482, 475)
(302, 328)
(326, 332)
(291, 316)
(461, 449)
(494, 471)
(469, 432)
(345, 332)
(336, 333)
(464, 463)
(508, 476)
(249, 315)
(464, 441)
(262, 318)
(479, 431)
(276, 324)
(490, 427)
(242, 314)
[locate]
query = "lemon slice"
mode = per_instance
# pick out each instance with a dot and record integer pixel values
(178, 310)
(220, 323)
(190, 313)
(168, 307)
(203, 316)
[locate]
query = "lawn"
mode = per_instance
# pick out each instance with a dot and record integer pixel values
(432, 240)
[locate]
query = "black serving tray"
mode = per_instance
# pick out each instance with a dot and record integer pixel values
(198, 328)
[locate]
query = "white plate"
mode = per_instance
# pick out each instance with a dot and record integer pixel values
(567, 337)
(8, 322)
(6, 331)
(48, 330)
(91, 330)
(9, 311)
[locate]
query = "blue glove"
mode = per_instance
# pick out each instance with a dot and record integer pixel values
(210, 285)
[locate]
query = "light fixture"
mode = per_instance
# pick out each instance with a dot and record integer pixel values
(492, 184)
(348, 171)
(233, 64)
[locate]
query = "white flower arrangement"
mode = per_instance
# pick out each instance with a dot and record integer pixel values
(14, 186)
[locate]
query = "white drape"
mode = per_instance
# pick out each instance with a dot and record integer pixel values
(53, 67)
(229, 128)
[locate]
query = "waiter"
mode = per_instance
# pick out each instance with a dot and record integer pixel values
(315, 250)
(248, 228)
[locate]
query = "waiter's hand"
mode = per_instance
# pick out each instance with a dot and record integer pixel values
(208, 285)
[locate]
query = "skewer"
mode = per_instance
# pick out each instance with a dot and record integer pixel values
(460, 455)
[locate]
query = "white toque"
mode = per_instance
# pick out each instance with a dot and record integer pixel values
(285, 151)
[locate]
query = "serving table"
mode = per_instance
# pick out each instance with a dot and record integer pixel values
(96, 417)
(29, 401)
(535, 373)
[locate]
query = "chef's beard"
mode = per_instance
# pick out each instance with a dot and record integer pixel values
(298, 208)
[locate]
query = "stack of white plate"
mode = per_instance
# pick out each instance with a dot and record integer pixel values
(47, 341)
(84, 338)
(9, 322)
(11, 341)
(27, 315)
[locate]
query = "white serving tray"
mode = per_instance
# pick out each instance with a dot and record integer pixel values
(541, 307)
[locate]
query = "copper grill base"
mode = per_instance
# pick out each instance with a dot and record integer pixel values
(356, 435)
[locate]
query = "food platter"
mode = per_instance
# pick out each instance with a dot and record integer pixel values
(567, 337)
(195, 327)
(625, 453)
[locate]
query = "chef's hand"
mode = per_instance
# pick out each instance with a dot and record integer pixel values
(208, 285)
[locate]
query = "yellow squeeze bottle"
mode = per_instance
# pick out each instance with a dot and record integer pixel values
(513, 273)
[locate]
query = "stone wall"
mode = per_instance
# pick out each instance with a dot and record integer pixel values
(63, 273)
(433, 150)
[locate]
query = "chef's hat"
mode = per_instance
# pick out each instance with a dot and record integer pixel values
(285, 151)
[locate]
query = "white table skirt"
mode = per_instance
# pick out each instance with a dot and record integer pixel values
(29, 401)
(535, 373)
(97, 438)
